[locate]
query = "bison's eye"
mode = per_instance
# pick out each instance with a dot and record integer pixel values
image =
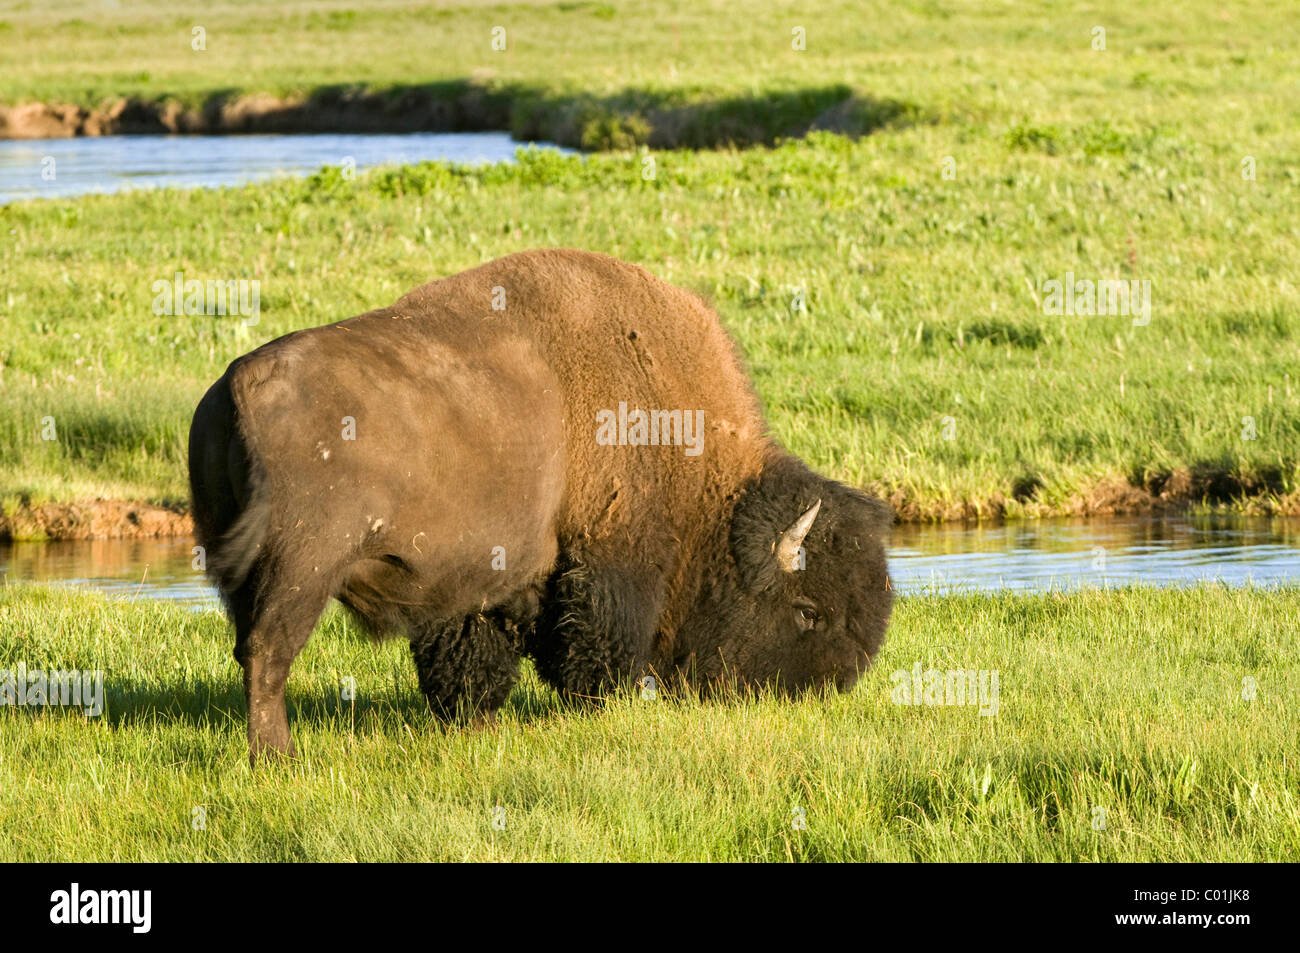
(805, 616)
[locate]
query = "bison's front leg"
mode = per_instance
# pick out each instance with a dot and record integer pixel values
(597, 628)
(466, 666)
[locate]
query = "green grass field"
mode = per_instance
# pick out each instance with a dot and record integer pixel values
(887, 290)
(891, 315)
(1122, 734)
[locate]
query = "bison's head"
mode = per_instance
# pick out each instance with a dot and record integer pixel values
(806, 597)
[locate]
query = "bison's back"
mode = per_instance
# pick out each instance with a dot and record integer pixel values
(613, 333)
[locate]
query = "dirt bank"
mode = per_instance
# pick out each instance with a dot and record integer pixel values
(345, 111)
(1166, 493)
(579, 120)
(92, 519)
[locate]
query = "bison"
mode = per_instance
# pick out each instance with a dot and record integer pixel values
(554, 454)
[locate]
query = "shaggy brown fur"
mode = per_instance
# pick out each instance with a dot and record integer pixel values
(475, 442)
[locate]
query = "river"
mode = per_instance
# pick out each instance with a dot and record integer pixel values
(924, 559)
(48, 168)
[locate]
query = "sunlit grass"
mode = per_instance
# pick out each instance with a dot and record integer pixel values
(883, 307)
(1123, 732)
(910, 312)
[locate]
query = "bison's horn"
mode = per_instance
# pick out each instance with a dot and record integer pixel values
(787, 548)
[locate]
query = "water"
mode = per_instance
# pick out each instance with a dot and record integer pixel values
(1067, 553)
(1032, 556)
(125, 568)
(114, 163)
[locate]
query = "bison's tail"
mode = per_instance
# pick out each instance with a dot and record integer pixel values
(229, 490)
(242, 543)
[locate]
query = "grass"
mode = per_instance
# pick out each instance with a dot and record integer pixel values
(917, 320)
(638, 58)
(1129, 701)
(892, 315)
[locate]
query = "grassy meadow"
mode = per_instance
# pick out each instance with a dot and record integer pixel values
(887, 289)
(1122, 733)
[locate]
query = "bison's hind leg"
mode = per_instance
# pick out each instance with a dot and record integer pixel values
(467, 667)
(273, 621)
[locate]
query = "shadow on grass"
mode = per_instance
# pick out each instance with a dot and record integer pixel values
(214, 704)
(217, 704)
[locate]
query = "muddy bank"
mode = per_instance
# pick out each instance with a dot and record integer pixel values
(1161, 495)
(355, 111)
(93, 519)
(578, 120)
(1157, 494)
